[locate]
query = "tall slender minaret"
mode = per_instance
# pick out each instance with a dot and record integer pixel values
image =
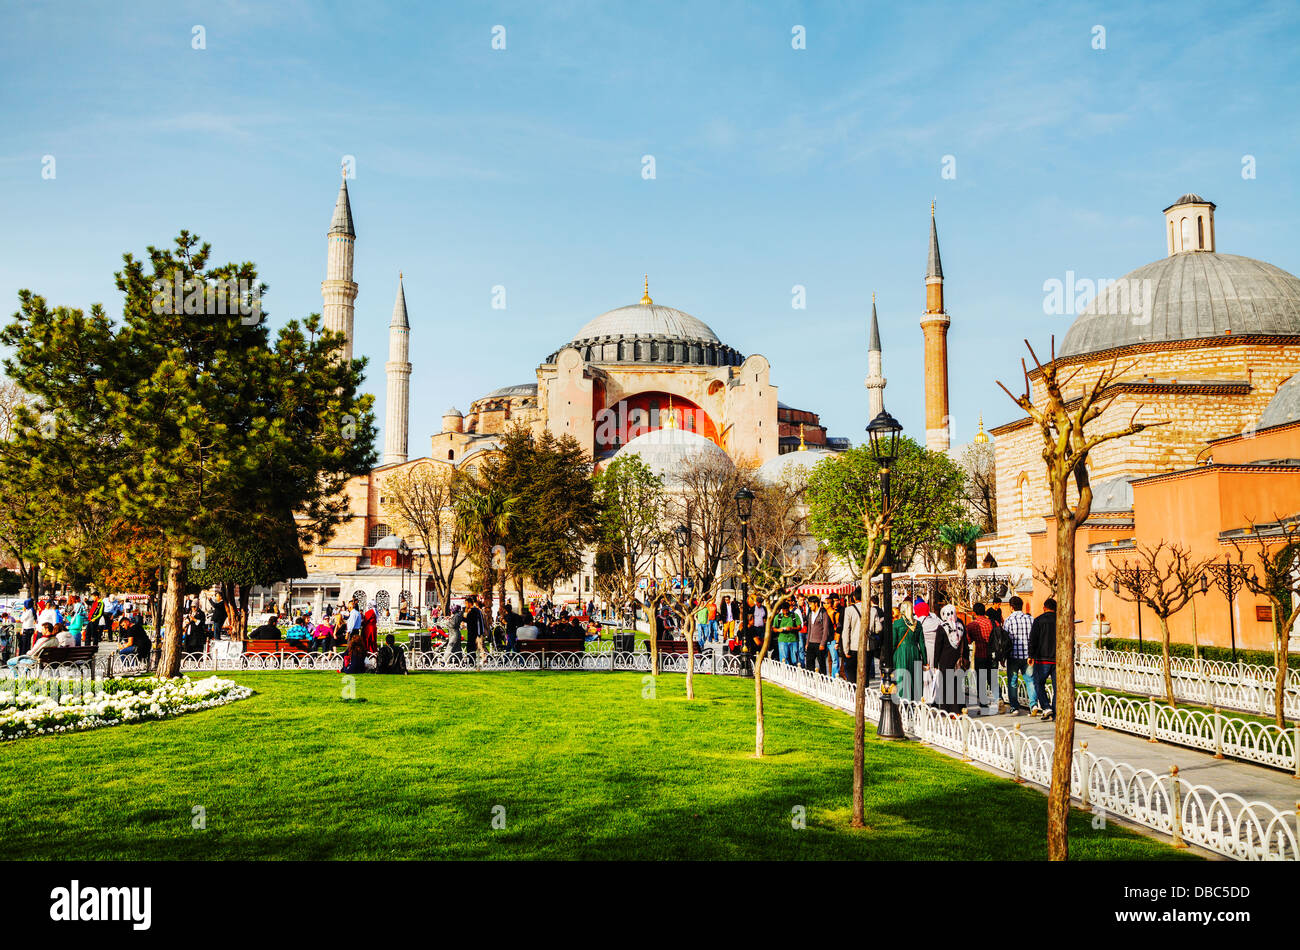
(397, 418)
(338, 289)
(875, 379)
(934, 324)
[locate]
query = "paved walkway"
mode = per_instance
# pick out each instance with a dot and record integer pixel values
(1252, 782)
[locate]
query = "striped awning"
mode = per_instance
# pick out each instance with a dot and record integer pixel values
(822, 590)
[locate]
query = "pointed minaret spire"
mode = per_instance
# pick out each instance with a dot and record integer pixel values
(397, 414)
(875, 371)
(934, 266)
(338, 290)
(934, 324)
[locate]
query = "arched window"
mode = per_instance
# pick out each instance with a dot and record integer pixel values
(1022, 487)
(1200, 232)
(451, 455)
(378, 533)
(1187, 234)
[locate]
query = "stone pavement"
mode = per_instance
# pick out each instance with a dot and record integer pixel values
(1252, 782)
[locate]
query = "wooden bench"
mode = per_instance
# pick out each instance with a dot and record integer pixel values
(553, 645)
(670, 646)
(273, 646)
(51, 655)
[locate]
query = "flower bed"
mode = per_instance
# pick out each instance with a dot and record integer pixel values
(36, 707)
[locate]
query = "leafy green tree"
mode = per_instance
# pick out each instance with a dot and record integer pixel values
(187, 417)
(632, 502)
(555, 509)
(236, 562)
(926, 490)
(484, 514)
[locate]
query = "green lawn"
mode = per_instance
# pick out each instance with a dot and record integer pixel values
(581, 763)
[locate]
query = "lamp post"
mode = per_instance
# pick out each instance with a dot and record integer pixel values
(883, 432)
(744, 509)
(683, 539)
(419, 564)
(1229, 578)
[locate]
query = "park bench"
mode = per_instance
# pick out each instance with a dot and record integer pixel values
(74, 655)
(670, 646)
(553, 645)
(273, 646)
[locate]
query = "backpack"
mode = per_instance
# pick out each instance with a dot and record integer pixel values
(1001, 643)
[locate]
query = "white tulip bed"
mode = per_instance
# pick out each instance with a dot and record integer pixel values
(38, 708)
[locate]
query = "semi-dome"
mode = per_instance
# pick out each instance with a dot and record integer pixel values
(1112, 495)
(1284, 407)
(798, 464)
(523, 389)
(648, 332)
(668, 452)
(1190, 296)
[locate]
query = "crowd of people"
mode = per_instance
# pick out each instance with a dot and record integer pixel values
(70, 621)
(935, 652)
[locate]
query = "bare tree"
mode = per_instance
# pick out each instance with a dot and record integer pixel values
(980, 493)
(1066, 446)
(422, 504)
(701, 495)
(782, 556)
(1164, 578)
(1278, 548)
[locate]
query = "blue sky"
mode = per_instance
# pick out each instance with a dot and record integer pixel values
(775, 167)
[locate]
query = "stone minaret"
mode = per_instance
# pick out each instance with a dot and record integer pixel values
(397, 417)
(338, 289)
(934, 324)
(875, 379)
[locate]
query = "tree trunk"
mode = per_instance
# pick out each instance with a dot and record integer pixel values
(239, 623)
(690, 658)
(1058, 795)
(1164, 649)
(1282, 638)
(169, 665)
(860, 705)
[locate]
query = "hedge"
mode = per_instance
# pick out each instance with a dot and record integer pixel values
(1257, 657)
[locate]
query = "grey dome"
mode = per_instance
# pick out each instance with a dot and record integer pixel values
(668, 451)
(796, 463)
(523, 389)
(1284, 407)
(453, 411)
(650, 333)
(1113, 494)
(1194, 295)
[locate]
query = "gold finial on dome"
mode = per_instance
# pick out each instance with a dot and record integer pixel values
(932, 207)
(645, 297)
(802, 445)
(981, 437)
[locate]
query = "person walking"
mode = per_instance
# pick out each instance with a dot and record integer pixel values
(1018, 627)
(786, 627)
(473, 627)
(820, 632)
(27, 626)
(909, 660)
(1042, 651)
(980, 631)
(836, 610)
(851, 638)
(950, 662)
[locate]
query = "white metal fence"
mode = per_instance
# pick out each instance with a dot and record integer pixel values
(1196, 814)
(1246, 688)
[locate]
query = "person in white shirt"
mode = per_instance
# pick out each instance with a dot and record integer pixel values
(49, 615)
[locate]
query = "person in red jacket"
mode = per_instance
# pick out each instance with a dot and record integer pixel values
(370, 630)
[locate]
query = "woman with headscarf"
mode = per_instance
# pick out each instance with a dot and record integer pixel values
(950, 660)
(909, 654)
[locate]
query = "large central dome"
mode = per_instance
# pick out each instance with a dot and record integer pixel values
(648, 332)
(1193, 295)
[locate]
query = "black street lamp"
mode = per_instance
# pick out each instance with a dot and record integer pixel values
(744, 509)
(1229, 578)
(883, 432)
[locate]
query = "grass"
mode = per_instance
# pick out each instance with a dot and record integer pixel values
(583, 766)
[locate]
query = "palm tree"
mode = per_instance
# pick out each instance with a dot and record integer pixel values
(484, 513)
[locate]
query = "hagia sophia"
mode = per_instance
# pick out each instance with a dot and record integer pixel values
(644, 378)
(1209, 345)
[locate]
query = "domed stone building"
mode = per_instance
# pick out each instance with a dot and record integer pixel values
(1205, 340)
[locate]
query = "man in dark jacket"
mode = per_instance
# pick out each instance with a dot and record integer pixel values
(473, 626)
(1042, 653)
(820, 631)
